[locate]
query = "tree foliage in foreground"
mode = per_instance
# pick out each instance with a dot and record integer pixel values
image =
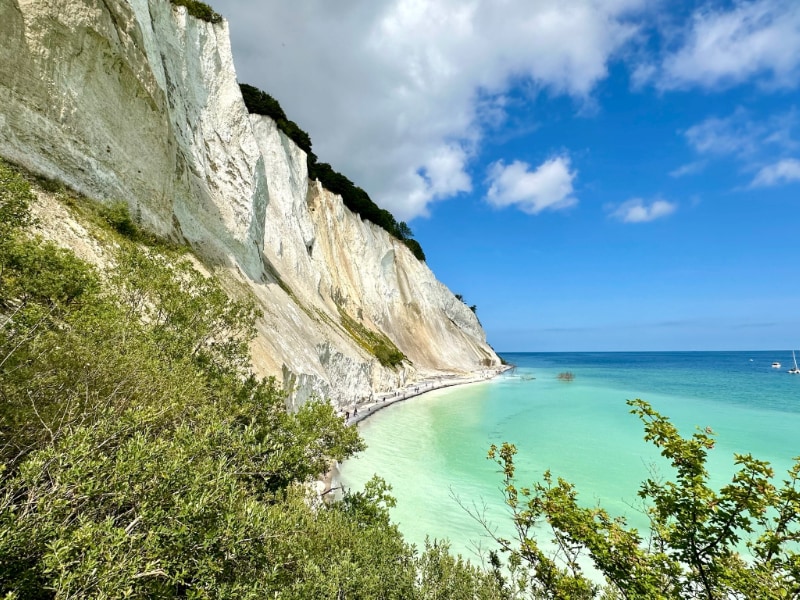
(141, 459)
(696, 536)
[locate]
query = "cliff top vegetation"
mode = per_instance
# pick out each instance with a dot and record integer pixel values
(199, 10)
(354, 198)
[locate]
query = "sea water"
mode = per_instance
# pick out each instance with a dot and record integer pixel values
(432, 449)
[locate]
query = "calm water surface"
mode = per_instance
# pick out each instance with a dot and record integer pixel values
(432, 449)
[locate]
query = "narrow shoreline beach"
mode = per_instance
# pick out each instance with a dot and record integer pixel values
(364, 410)
(379, 401)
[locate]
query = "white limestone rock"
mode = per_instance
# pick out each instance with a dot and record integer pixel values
(135, 100)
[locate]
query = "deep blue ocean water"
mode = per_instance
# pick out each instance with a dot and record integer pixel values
(432, 449)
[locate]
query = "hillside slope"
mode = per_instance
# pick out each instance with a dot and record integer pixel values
(135, 100)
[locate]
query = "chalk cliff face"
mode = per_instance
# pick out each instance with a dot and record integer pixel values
(136, 100)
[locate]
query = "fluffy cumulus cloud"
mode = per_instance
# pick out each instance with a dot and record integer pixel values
(394, 92)
(549, 186)
(637, 210)
(783, 171)
(753, 40)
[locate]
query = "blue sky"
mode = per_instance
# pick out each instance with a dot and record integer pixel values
(592, 174)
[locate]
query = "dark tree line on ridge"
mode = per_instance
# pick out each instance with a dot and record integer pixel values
(199, 10)
(354, 197)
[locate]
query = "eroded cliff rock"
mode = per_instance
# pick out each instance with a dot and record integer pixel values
(135, 100)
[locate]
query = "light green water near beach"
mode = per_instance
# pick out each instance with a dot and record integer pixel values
(432, 449)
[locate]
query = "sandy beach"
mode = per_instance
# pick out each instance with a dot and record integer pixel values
(364, 410)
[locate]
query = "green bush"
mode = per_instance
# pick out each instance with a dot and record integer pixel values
(119, 217)
(15, 200)
(388, 356)
(376, 343)
(697, 533)
(142, 459)
(199, 10)
(416, 249)
(37, 271)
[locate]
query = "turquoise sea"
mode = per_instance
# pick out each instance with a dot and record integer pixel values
(432, 449)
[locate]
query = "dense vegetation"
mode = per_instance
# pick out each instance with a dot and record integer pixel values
(140, 458)
(199, 10)
(355, 198)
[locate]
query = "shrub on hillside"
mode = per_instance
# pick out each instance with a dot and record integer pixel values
(119, 217)
(416, 249)
(141, 459)
(199, 10)
(388, 356)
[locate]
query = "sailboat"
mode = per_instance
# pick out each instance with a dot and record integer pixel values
(794, 371)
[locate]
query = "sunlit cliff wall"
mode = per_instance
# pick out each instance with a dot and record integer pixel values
(135, 100)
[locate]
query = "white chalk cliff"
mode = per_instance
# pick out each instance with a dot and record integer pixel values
(136, 100)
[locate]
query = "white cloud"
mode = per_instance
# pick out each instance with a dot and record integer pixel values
(445, 171)
(637, 210)
(783, 171)
(692, 168)
(752, 143)
(394, 92)
(548, 187)
(643, 74)
(751, 41)
(731, 135)
(743, 136)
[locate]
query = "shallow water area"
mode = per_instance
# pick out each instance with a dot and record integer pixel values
(432, 449)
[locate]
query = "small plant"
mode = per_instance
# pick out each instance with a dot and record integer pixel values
(387, 355)
(566, 376)
(199, 10)
(119, 217)
(376, 343)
